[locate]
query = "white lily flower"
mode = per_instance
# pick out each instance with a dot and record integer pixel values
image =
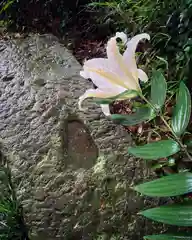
(115, 74)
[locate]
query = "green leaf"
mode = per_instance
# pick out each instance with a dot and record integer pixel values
(175, 214)
(125, 95)
(103, 100)
(169, 186)
(6, 6)
(4, 209)
(163, 60)
(182, 111)
(168, 237)
(158, 89)
(153, 151)
(141, 115)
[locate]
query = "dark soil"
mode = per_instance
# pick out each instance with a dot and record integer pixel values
(75, 23)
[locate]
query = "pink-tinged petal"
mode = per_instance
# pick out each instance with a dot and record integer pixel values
(119, 65)
(129, 54)
(103, 75)
(105, 109)
(142, 75)
(97, 93)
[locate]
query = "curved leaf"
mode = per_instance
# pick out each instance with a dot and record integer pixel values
(182, 111)
(175, 214)
(172, 185)
(158, 89)
(153, 151)
(168, 237)
(141, 115)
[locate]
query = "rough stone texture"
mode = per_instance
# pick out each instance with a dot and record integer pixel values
(71, 170)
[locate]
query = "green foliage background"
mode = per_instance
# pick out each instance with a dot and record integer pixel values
(168, 22)
(39, 14)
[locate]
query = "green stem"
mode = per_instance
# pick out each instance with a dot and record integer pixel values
(176, 138)
(169, 128)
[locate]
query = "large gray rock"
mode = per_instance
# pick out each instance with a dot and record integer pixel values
(70, 168)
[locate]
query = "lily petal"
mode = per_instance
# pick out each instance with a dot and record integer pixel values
(97, 93)
(116, 74)
(105, 109)
(142, 75)
(122, 36)
(103, 75)
(129, 54)
(119, 65)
